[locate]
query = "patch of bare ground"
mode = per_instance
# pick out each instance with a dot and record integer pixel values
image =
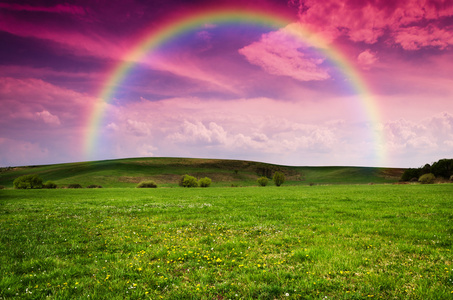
(391, 173)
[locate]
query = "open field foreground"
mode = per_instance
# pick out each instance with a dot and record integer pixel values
(306, 242)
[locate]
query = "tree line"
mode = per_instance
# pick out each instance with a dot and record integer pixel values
(443, 168)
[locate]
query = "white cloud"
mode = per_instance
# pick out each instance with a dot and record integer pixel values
(425, 141)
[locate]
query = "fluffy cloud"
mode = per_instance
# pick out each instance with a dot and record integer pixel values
(281, 53)
(368, 21)
(414, 37)
(425, 140)
(30, 100)
(40, 122)
(48, 118)
(260, 129)
(366, 59)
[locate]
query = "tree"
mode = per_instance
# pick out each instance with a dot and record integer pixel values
(279, 178)
(410, 173)
(204, 182)
(188, 181)
(443, 168)
(28, 182)
(262, 181)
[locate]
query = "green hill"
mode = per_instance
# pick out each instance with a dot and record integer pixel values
(167, 171)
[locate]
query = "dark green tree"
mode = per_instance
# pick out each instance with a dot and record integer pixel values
(410, 173)
(442, 168)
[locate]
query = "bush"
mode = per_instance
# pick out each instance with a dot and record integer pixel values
(204, 182)
(74, 186)
(427, 178)
(262, 181)
(279, 178)
(188, 181)
(28, 182)
(49, 185)
(94, 186)
(147, 184)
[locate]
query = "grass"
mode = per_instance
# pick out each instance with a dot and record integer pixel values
(167, 171)
(340, 242)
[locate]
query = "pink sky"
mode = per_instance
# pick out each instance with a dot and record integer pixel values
(231, 91)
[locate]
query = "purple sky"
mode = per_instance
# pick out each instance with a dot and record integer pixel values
(231, 91)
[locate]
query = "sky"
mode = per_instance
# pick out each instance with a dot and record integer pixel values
(376, 91)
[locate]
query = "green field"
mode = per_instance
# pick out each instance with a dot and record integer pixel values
(291, 242)
(167, 171)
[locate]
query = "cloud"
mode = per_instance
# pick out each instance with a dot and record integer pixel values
(281, 53)
(48, 118)
(198, 133)
(415, 37)
(429, 138)
(366, 59)
(368, 21)
(28, 100)
(259, 129)
(14, 152)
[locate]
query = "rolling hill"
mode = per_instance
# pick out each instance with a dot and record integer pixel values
(167, 171)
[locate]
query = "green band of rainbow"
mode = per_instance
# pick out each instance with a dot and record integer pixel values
(175, 27)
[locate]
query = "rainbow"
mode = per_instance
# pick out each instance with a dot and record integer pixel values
(175, 27)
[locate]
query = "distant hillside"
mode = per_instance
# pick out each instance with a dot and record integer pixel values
(167, 171)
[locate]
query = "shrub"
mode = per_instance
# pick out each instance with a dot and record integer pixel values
(74, 186)
(94, 186)
(262, 181)
(28, 182)
(49, 185)
(279, 178)
(204, 182)
(147, 184)
(188, 181)
(427, 178)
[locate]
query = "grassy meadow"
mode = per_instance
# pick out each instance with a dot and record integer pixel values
(291, 242)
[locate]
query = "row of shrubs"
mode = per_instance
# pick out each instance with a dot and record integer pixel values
(278, 178)
(185, 181)
(190, 181)
(36, 182)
